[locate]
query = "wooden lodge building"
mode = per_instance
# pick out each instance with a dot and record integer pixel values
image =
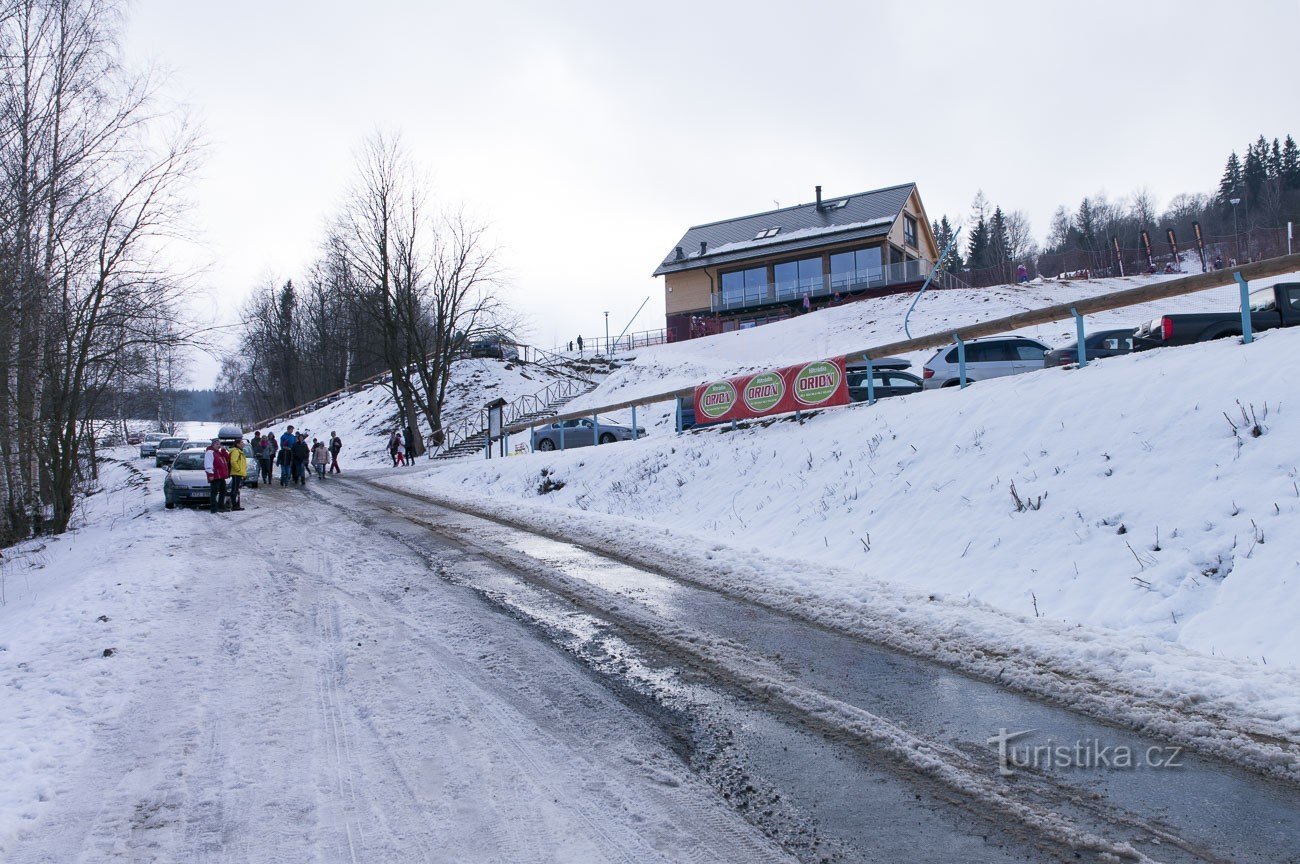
(751, 270)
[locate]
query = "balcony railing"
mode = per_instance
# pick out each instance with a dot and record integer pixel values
(826, 286)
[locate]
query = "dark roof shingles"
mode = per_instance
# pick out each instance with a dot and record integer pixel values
(862, 207)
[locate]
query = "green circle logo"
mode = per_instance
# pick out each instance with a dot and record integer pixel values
(764, 391)
(718, 399)
(816, 382)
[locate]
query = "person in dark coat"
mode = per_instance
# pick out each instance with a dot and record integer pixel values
(336, 445)
(409, 439)
(301, 453)
(266, 456)
(393, 441)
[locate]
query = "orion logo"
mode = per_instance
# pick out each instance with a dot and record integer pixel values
(764, 391)
(718, 399)
(816, 382)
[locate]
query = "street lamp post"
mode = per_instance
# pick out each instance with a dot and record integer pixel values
(1236, 238)
(608, 349)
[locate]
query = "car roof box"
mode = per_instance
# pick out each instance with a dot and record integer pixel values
(882, 363)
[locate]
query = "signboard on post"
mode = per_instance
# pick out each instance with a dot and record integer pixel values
(495, 425)
(819, 384)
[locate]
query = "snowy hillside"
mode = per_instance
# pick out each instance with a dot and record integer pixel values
(364, 420)
(879, 321)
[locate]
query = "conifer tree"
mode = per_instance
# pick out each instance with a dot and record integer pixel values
(1255, 171)
(1290, 164)
(1230, 183)
(943, 232)
(978, 248)
(1086, 223)
(999, 245)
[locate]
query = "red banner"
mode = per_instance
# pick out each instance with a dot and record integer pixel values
(819, 384)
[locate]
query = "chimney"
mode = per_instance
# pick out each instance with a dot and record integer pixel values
(680, 254)
(704, 247)
(819, 197)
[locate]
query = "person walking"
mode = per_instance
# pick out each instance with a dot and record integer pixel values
(336, 444)
(285, 457)
(238, 472)
(394, 441)
(399, 456)
(265, 452)
(319, 457)
(408, 442)
(216, 464)
(579, 346)
(301, 453)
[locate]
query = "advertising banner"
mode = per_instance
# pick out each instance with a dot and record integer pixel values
(819, 384)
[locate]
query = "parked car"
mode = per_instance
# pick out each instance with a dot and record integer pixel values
(888, 377)
(186, 481)
(992, 357)
(494, 346)
(167, 450)
(580, 433)
(134, 438)
(686, 416)
(149, 443)
(1278, 306)
(1103, 343)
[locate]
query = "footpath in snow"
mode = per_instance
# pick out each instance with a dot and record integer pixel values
(178, 686)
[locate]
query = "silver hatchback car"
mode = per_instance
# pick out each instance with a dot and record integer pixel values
(992, 357)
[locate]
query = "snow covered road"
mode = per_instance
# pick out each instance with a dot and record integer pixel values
(352, 673)
(895, 713)
(285, 688)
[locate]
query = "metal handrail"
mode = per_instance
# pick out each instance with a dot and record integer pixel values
(827, 285)
(476, 424)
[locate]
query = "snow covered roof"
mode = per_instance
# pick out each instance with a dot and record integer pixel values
(849, 217)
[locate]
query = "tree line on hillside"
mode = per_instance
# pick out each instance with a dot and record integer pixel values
(397, 287)
(93, 174)
(1265, 186)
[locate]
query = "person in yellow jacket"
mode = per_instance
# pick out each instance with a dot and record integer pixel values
(238, 471)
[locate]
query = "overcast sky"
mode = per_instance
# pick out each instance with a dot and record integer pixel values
(591, 135)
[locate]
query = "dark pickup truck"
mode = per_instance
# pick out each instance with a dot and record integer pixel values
(1278, 306)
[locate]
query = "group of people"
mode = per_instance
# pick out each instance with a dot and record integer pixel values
(227, 466)
(399, 448)
(294, 456)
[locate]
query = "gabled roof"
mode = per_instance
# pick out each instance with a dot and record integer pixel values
(848, 217)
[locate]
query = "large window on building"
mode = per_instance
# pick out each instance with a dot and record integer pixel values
(740, 287)
(793, 278)
(857, 268)
(909, 231)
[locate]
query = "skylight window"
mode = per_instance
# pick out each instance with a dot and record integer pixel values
(836, 205)
(766, 232)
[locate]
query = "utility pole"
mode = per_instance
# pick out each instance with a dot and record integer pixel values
(608, 350)
(1236, 237)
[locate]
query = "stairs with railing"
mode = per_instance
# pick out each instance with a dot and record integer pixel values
(470, 435)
